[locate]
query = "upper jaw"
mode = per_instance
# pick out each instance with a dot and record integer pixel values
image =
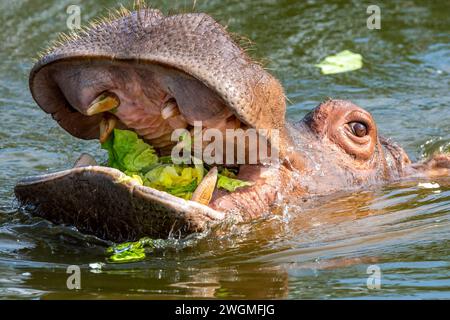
(194, 45)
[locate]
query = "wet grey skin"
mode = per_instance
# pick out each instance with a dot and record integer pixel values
(161, 73)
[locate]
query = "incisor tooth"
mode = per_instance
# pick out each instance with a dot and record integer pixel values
(85, 160)
(205, 189)
(107, 125)
(169, 110)
(104, 102)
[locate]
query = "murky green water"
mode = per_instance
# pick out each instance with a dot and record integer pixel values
(320, 252)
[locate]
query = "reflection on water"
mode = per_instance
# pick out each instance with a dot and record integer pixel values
(318, 249)
(323, 251)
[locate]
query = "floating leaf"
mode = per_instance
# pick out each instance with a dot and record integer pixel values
(342, 62)
(129, 251)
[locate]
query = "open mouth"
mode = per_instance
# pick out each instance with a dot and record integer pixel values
(155, 102)
(152, 101)
(154, 75)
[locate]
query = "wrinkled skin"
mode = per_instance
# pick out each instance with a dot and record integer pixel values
(333, 158)
(147, 60)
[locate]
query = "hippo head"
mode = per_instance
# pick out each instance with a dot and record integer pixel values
(335, 147)
(154, 74)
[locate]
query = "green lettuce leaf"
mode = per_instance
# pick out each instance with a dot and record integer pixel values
(342, 62)
(127, 152)
(129, 251)
(180, 181)
(228, 173)
(231, 184)
(139, 162)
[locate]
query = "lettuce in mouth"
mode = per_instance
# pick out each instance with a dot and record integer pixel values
(138, 160)
(231, 184)
(128, 153)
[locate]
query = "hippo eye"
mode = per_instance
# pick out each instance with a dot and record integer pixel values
(359, 129)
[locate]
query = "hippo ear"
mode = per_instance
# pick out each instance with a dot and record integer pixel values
(192, 43)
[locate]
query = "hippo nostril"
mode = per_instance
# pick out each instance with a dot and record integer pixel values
(359, 129)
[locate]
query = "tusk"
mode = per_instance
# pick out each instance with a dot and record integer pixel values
(169, 110)
(205, 189)
(107, 125)
(85, 160)
(104, 102)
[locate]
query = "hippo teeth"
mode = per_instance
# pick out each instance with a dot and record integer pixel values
(85, 160)
(107, 125)
(104, 102)
(169, 110)
(205, 189)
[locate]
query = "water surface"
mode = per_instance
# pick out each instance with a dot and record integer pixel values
(308, 252)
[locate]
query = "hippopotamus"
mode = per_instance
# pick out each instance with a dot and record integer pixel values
(160, 73)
